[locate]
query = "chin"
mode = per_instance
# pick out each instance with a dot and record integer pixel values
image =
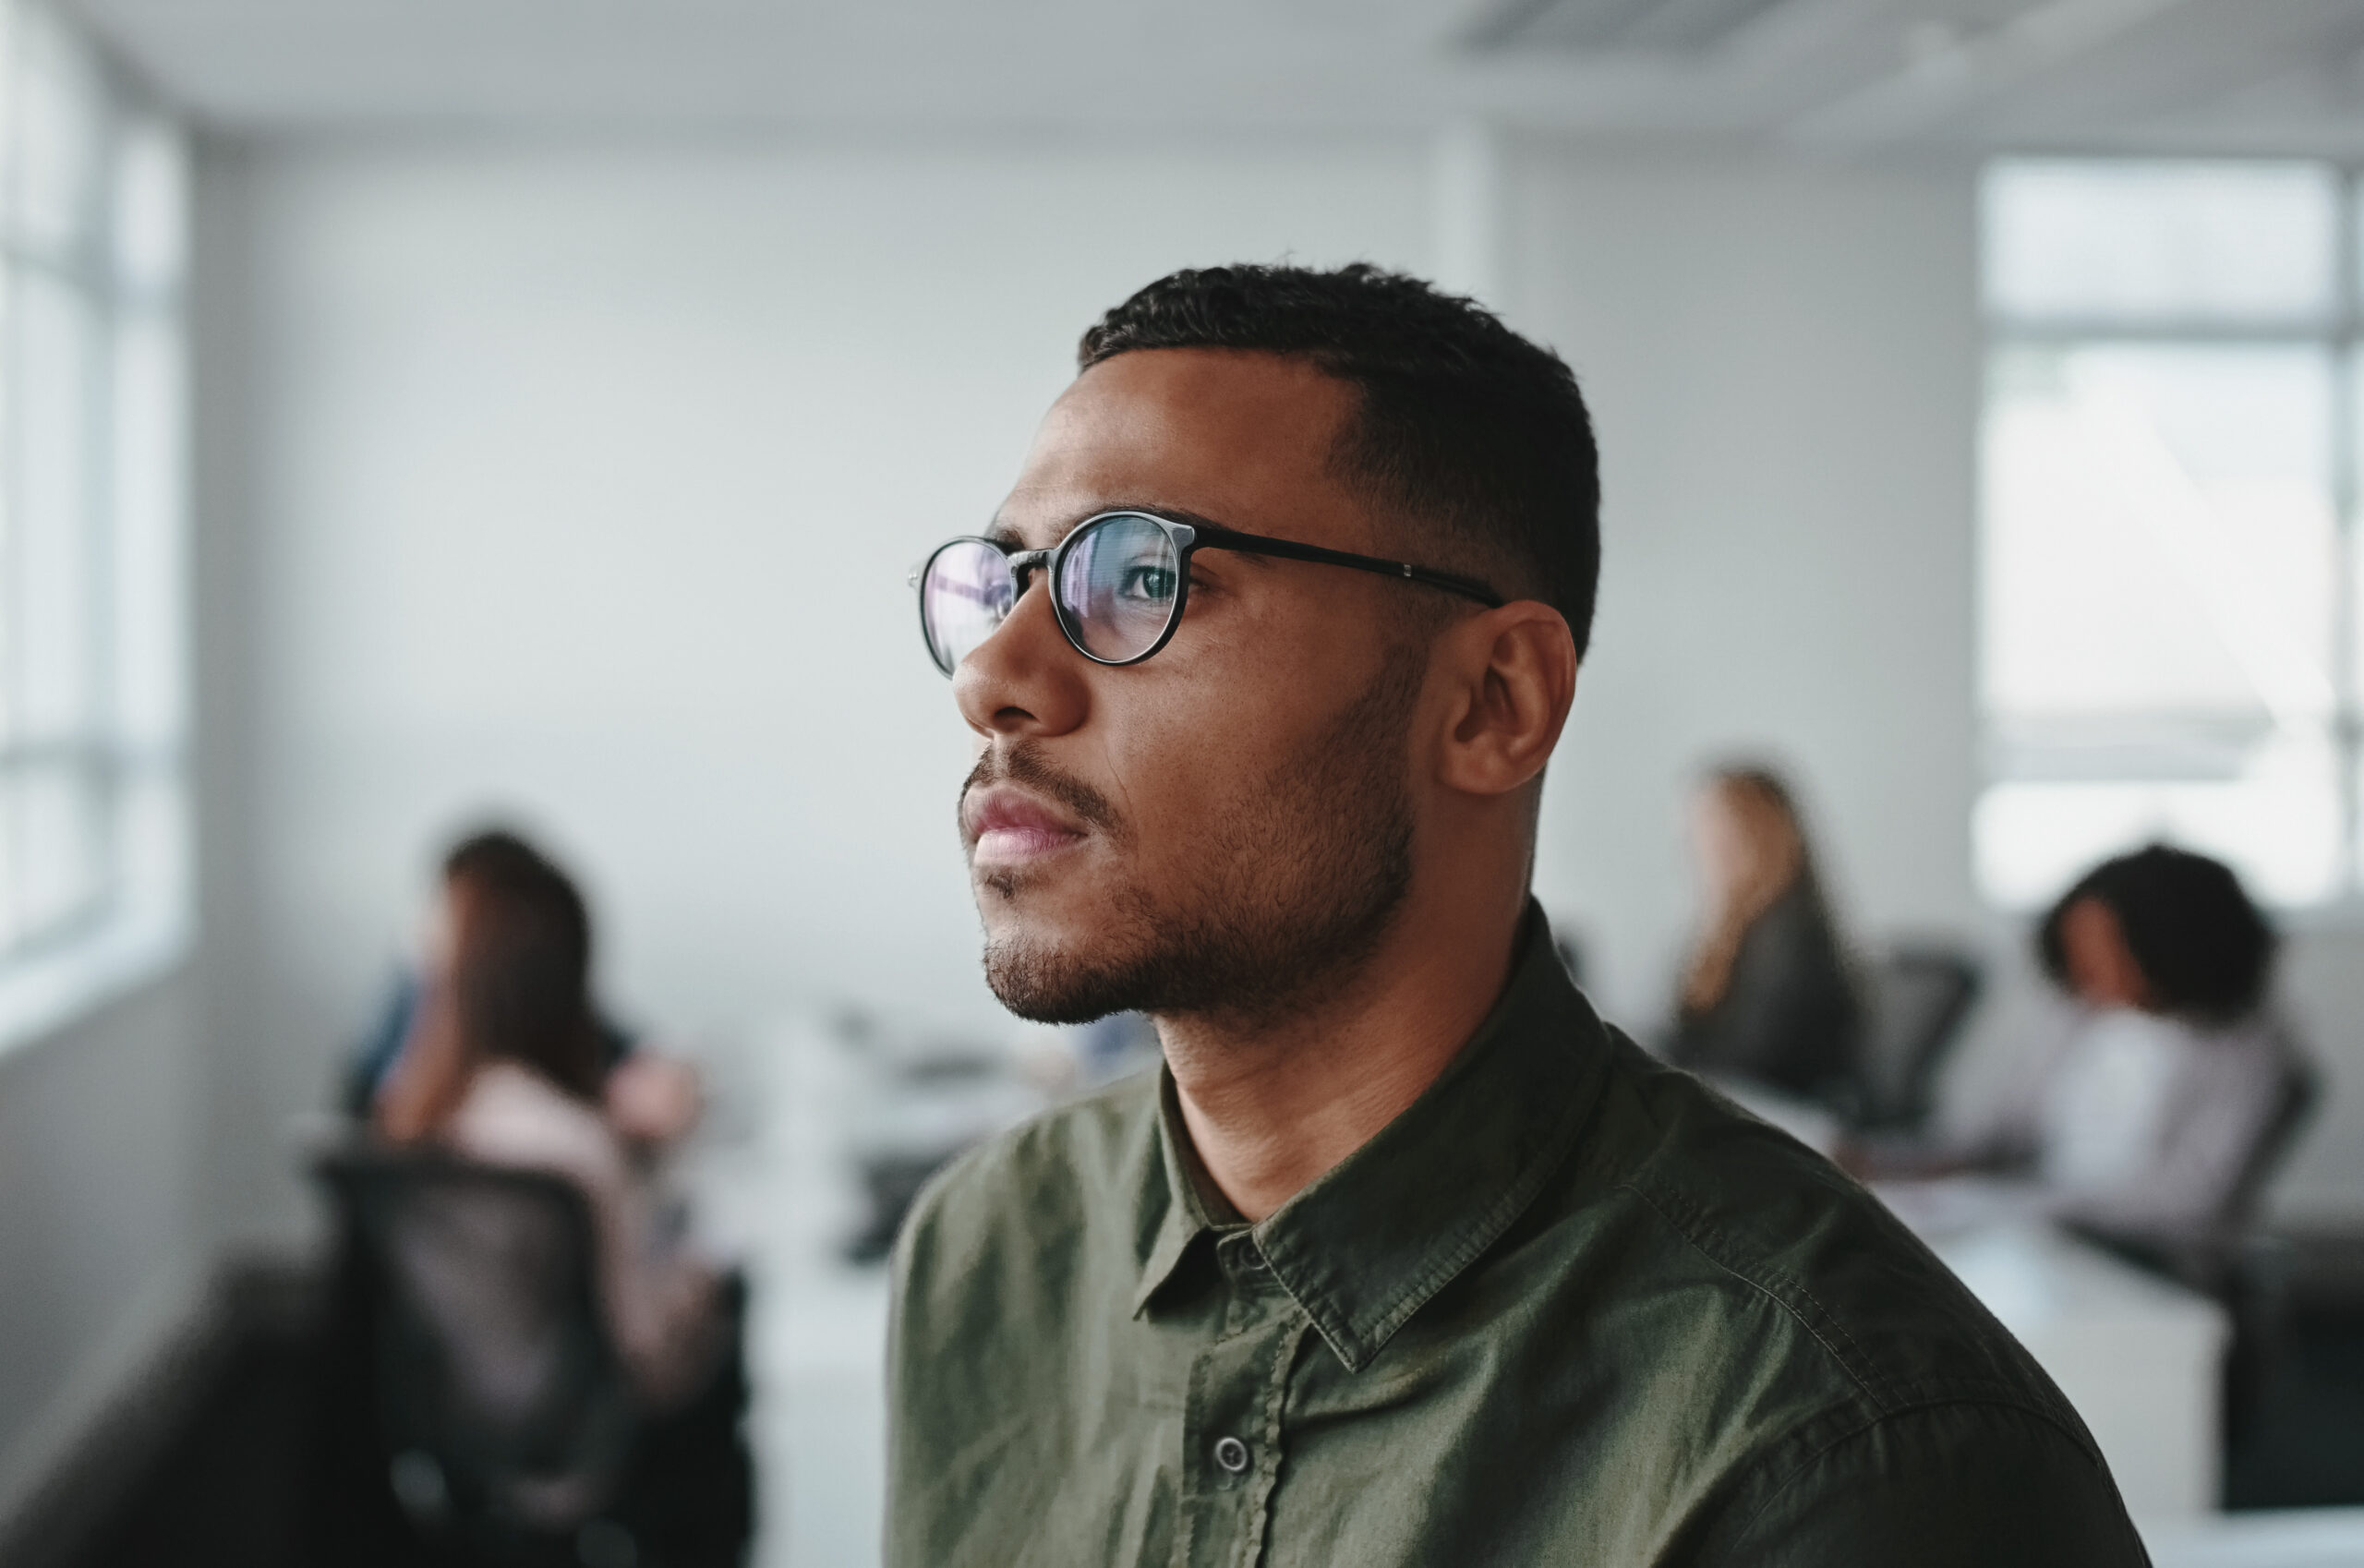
(1051, 982)
(1050, 966)
(1038, 907)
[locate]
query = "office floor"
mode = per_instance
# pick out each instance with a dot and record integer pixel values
(223, 1491)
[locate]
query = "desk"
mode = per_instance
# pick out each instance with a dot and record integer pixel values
(780, 1197)
(2305, 1538)
(2140, 1358)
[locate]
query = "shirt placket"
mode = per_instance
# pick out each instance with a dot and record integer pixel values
(1232, 1436)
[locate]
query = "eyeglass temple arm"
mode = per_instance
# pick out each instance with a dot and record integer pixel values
(1258, 544)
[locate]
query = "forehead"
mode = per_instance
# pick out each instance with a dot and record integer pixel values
(1242, 437)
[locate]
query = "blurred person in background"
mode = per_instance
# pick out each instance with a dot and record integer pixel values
(1765, 995)
(1403, 1257)
(2170, 1074)
(505, 1065)
(651, 1099)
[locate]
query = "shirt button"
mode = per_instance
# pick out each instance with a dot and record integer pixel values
(1230, 1454)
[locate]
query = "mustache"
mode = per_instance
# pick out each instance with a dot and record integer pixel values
(1024, 765)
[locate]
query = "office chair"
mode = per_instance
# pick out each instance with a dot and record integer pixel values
(1918, 998)
(2301, 1092)
(504, 1415)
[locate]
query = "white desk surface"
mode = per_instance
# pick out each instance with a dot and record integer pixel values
(2298, 1537)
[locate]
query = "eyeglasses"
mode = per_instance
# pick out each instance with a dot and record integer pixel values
(1119, 583)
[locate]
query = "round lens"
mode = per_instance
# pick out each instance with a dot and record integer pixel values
(1118, 586)
(964, 595)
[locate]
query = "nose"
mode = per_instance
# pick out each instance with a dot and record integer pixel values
(1024, 681)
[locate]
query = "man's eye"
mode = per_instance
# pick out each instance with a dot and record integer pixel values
(1152, 583)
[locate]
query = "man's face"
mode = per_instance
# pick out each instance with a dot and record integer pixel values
(1226, 826)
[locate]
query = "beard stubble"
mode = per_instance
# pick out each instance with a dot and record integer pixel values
(1293, 891)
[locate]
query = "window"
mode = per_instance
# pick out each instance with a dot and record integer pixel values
(2169, 597)
(92, 657)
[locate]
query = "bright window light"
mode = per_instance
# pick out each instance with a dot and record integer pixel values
(2168, 488)
(2132, 241)
(94, 655)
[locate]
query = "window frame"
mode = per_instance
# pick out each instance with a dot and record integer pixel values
(130, 753)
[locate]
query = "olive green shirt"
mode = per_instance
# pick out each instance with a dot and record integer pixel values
(1568, 1307)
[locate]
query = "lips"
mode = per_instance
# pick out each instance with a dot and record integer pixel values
(1005, 825)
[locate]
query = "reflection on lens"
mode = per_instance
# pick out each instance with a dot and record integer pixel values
(1118, 586)
(964, 598)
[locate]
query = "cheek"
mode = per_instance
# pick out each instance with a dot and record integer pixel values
(1174, 760)
(1192, 749)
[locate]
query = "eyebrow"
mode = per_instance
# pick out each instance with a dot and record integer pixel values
(1002, 533)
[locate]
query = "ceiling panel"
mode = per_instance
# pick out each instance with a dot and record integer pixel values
(1680, 27)
(1850, 75)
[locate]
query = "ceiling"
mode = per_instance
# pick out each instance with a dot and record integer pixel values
(2234, 76)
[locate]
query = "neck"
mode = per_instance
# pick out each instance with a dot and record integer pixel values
(1271, 1105)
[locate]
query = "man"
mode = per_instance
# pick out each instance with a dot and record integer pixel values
(1404, 1257)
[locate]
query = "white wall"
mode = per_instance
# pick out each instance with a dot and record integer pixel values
(585, 482)
(581, 480)
(1783, 365)
(101, 1247)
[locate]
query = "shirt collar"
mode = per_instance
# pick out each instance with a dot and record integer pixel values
(1175, 1213)
(1371, 1240)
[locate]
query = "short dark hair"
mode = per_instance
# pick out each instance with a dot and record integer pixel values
(2204, 950)
(1464, 425)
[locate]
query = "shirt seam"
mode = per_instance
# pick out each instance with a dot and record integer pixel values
(1254, 1327)
(1909, 1394)
(1489, 1228)
(1541, 1016)
(1852, 1360)
(1269, 1473)
(1472, 1245)
(1790, 1478)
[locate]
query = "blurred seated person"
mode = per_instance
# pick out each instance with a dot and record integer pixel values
(2170, 1070)
(504, 1064)
(651, 1099)
(1764, 998)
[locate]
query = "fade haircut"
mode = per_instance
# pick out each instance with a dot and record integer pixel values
(1477, 437)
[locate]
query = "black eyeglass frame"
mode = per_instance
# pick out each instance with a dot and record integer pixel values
(1187, 539)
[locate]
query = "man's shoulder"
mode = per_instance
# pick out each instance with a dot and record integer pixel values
(1865, 1321)
(1044, 1180)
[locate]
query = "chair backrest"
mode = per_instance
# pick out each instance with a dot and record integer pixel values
(2301, 1091)
(496, 1377)
(1918, 998)
(2227, 1254)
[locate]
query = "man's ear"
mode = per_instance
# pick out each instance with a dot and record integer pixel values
(1513, 673)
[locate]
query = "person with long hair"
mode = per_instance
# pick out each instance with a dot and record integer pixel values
(1765, 995)
(504, 1064)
